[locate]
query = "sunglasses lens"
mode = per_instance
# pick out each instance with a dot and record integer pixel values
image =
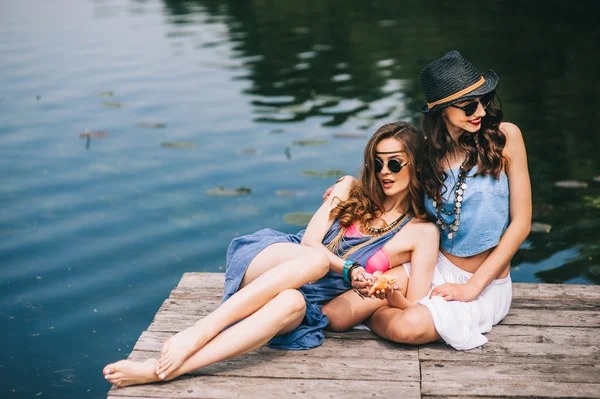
(378, 165)
(471, 108)
(394, 166)
(487, 99)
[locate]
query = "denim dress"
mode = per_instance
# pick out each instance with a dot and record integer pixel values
(309, 334)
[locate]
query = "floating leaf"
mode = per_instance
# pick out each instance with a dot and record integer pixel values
(249, 151)
(225, 192)
(108, 93)
(178, 144)
(288, 151)
(327, 173)
(537, 227)
(571, 184)
(348, 135)
(290, 193)
(112, 104)
(93, 134)
(303, 143)
(298, 218)
(592, 201)
(151, 125)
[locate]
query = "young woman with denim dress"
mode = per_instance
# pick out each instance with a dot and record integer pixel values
(478, 193)
(376, 224)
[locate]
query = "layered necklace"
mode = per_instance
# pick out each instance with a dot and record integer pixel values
(375, 231)
(459, 190)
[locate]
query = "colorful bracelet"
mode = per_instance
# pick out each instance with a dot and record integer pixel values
(351, 269)
(349, 266)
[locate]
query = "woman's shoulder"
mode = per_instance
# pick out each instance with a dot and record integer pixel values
(418, 228)
(510, 130)
(514, 138)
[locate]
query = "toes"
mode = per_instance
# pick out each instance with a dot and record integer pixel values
(165, 348)
(108, 369)
(164, 367)
(161, 362)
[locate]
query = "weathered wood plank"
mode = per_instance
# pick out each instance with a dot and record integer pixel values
(515, 352)
(499, 372)
(507, 389)
(556, 303)
(550, 291)
(558, 318)
(292, 364)
(578, 336)
(267, 388)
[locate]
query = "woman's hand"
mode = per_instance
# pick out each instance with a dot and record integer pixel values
(330, 189)
(363, 283)
(455, 292)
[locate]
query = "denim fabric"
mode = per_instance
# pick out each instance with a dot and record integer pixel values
(484, 213)
(309, 334)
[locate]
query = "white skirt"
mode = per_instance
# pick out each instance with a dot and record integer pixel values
(461, 324)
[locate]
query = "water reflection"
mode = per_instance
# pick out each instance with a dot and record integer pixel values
(357, 64)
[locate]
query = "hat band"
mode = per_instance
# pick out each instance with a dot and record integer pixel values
(457, 95)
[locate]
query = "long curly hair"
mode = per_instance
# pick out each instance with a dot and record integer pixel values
(483, 148)
(366, 198)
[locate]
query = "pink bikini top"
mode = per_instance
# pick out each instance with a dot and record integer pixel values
(378, 261)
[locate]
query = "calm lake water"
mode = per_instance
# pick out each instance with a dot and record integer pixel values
(183, 97)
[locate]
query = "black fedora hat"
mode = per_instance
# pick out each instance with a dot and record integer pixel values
(452, 79)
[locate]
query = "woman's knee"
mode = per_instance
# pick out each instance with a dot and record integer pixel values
(413, 326)
(336, 319)
(319, 261)
(292, 302)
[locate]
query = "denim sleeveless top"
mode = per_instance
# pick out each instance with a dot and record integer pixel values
(484, 213)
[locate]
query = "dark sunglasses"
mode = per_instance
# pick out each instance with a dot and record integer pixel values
(471, 107)
(393, 165)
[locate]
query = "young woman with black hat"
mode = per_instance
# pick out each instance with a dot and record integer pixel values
(478, 192)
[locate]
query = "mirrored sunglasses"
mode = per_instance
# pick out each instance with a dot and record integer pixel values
(393, 165)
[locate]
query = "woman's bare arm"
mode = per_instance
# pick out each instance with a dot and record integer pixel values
(320, 223)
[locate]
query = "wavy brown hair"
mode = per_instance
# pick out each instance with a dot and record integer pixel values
(483, 148)
(366, 198)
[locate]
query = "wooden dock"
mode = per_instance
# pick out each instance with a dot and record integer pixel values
(547, 346)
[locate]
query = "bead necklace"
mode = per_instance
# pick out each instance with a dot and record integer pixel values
(459, 190)
(380, 230)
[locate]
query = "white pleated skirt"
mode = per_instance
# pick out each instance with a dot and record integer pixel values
(462, 324)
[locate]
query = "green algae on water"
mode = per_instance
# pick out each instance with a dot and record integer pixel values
(327, 173)
(300, 219)
(226, 192)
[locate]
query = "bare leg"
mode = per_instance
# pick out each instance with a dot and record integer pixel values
(348, 309)
(411, 326)
(280, 315)
(300, 265)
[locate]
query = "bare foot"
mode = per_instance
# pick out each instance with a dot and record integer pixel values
(178, 348)
(128, 372)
